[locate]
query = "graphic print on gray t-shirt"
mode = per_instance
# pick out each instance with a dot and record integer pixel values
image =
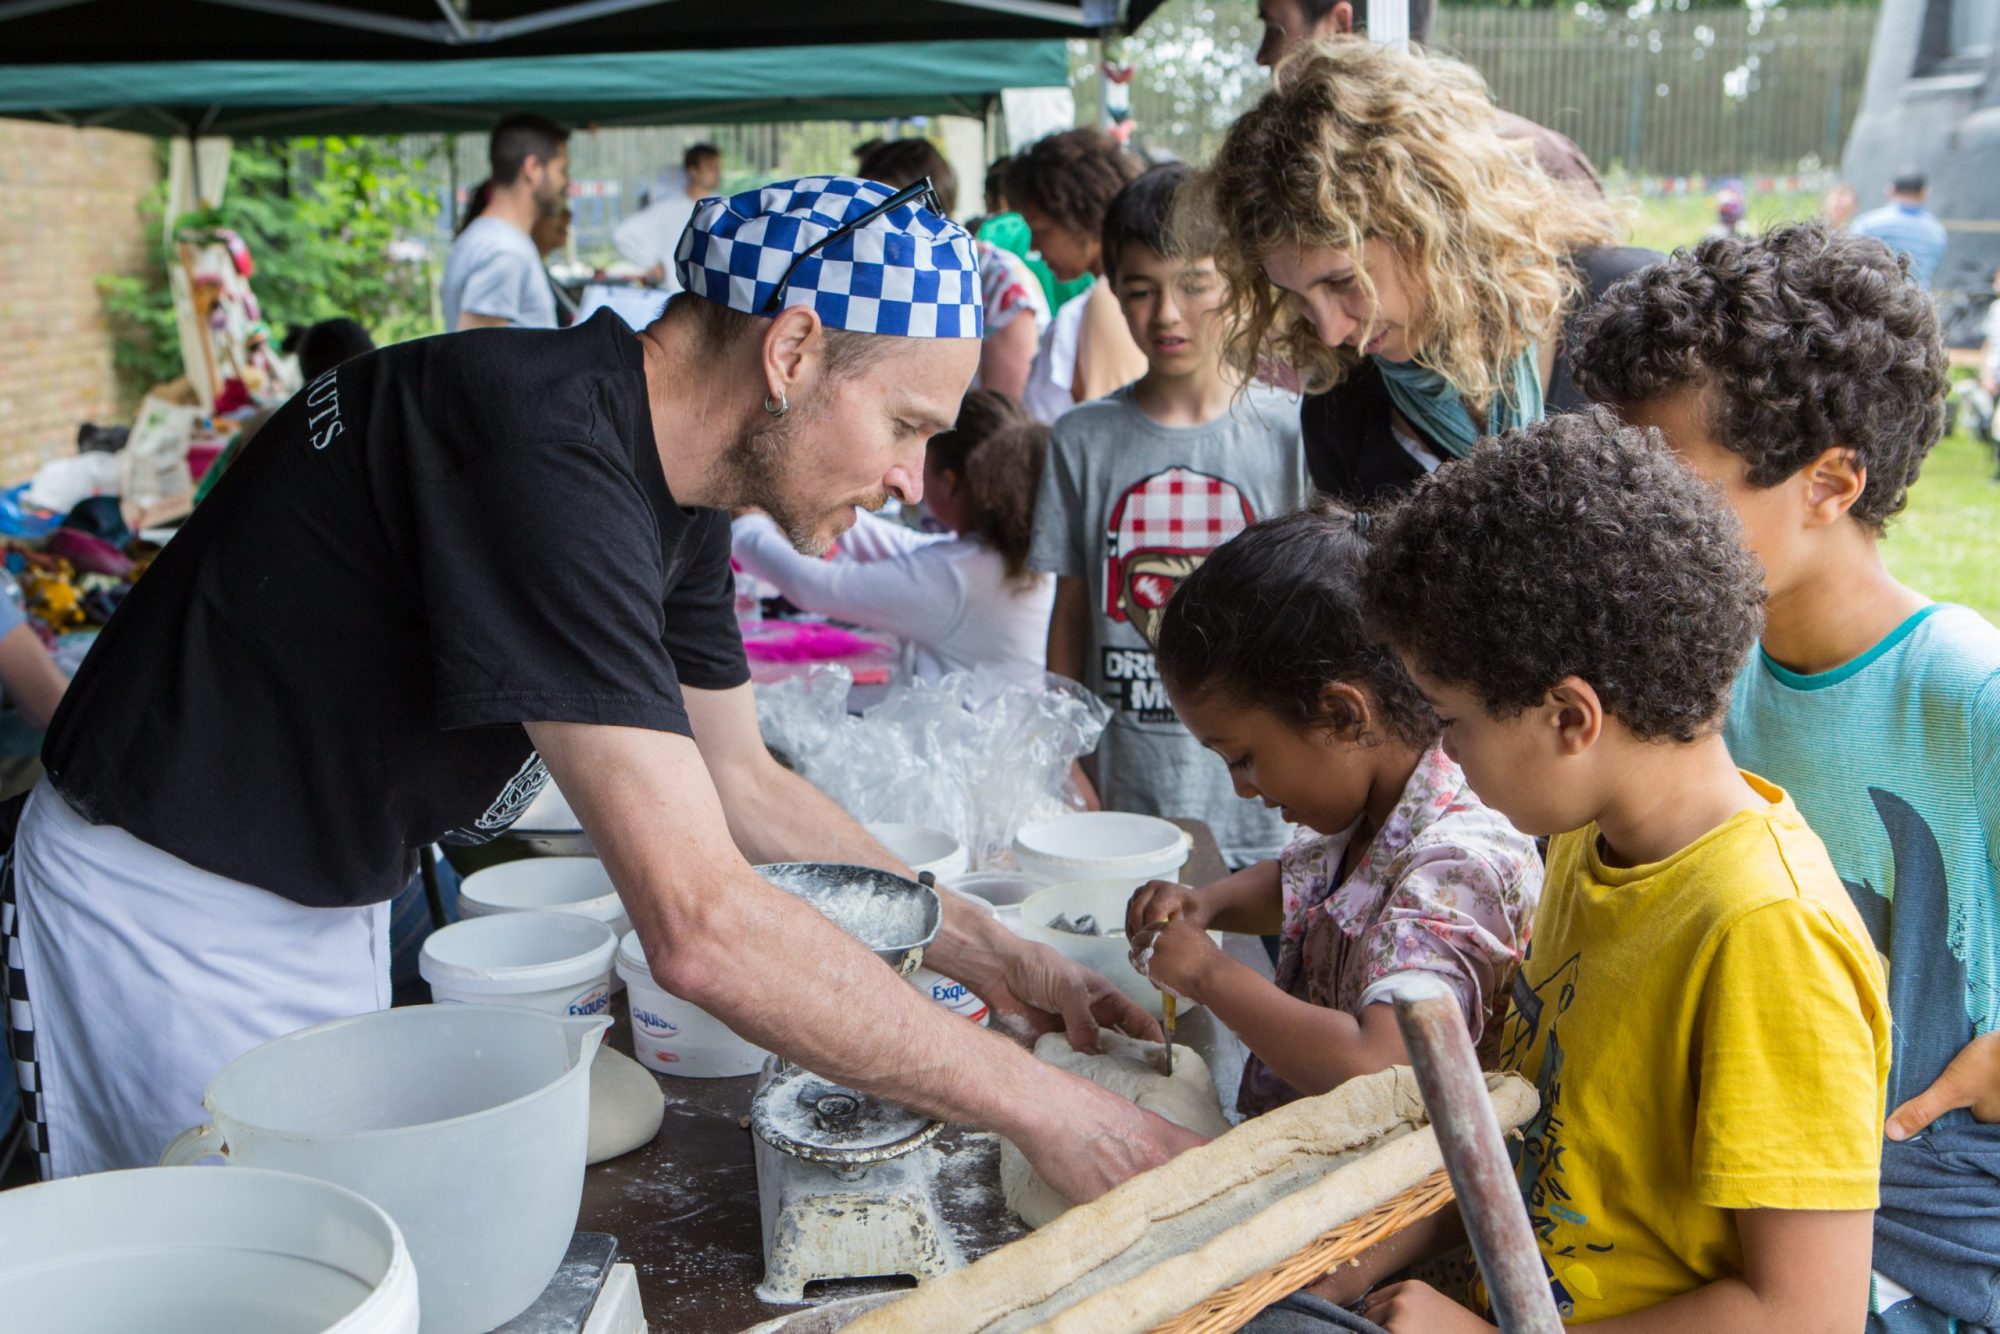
(1133, 507)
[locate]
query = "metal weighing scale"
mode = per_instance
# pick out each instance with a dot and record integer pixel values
(846, 1180)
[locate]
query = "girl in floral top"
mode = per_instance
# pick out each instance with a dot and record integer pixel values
(1398, 868)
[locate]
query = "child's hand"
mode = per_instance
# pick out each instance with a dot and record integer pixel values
(1419, 1308)
(1182, 956)
(1971, 1080)
(1159, 900)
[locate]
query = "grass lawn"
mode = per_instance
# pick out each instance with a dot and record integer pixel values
(1663, 222)
(1947, 543)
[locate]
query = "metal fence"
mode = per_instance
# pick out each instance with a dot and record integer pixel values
(1706, 94)
(1709, 93)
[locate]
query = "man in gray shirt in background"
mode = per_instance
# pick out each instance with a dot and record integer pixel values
(494, 274)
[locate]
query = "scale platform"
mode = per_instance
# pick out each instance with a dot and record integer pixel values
(591, 1294)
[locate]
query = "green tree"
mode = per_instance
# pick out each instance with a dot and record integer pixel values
(323, 219)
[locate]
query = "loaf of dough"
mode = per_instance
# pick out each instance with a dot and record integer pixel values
(1212, 1217)
(626, 1105)
(1129, 1068)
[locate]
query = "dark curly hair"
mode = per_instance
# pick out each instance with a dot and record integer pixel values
(1274, 616)
(1071, 177)
(1573, 547)
(1803, 340)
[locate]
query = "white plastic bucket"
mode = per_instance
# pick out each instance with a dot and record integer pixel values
(577, 885)
(174, 1252)
(674, 1037)
(952, 994)
(557, 963)
(1109, 954)
(1001, 888)
(467, 1124)
(1103, 845)
(923, 849)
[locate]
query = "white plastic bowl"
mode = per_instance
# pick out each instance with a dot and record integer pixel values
(467, 1124)
(1108, 954)
(674, 1037)
(554, 962)
(923, 849)
(173, 1251)
(577, 885)
(1103, 845)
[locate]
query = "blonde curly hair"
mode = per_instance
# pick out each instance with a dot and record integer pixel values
(1358, 141)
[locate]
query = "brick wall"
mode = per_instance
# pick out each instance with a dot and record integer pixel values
(68, 212)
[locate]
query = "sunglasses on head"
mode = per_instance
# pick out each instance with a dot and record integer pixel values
(922, 192)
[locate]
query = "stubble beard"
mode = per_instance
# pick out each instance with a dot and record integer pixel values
(757, 474)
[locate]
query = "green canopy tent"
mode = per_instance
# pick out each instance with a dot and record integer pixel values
(138, 32)
(250, 97)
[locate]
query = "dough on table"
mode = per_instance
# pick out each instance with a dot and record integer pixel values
(626, 1105)
(1128, 1067)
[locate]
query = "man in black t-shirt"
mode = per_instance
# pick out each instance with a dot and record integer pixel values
(455, 567)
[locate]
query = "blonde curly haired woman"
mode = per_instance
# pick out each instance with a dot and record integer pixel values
(1416, 272)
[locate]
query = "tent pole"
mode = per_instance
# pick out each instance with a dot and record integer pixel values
(1389, 22)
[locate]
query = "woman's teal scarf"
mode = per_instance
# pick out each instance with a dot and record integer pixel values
(1429, 403)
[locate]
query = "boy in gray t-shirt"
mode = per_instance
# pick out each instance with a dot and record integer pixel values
(1140, 486)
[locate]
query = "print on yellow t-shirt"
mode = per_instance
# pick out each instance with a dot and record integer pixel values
(1708, 1033)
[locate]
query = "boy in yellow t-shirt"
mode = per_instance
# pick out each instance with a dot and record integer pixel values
(1700, 1007)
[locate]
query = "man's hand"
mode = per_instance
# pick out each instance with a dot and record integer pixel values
(1049, 992)
(1183, 957)
(1419, 1308)
(1083, 1159)
(1158, 900)
(1971, 1080)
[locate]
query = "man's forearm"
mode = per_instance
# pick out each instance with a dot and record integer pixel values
(776, 816)
(787, 979)
(779, 816)
(765, 963)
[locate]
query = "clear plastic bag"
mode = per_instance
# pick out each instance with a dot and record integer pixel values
(976, 755)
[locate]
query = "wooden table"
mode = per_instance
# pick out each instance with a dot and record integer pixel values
(684, 1208)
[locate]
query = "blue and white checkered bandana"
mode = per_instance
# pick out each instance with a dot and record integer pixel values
(909, 272)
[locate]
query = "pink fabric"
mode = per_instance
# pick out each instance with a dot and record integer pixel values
(806, 643)
(92, 555)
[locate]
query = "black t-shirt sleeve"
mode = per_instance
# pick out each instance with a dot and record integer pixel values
(701, 629)
(540, 564)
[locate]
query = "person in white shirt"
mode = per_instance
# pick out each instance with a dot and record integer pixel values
(963, 599)
(648, 237)
(493, 276)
